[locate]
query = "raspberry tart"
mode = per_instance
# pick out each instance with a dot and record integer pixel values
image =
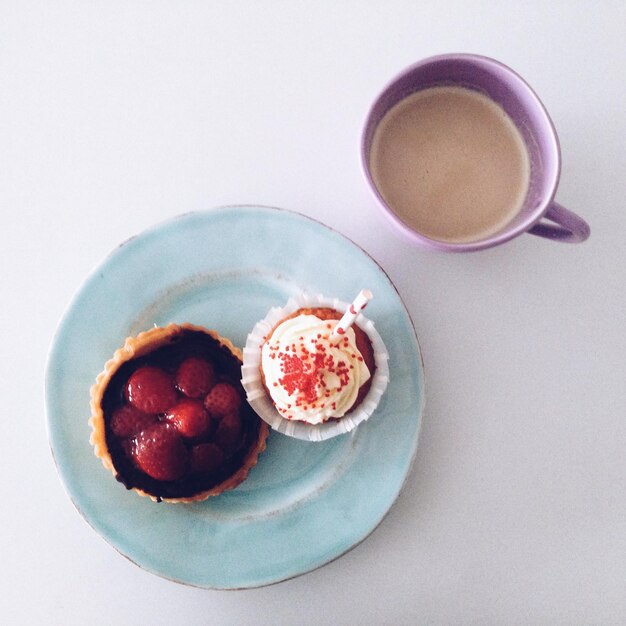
(169, 418)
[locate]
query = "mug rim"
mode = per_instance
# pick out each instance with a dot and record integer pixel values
(510, 232)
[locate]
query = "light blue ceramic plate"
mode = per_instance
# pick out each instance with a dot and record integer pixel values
(304, 504)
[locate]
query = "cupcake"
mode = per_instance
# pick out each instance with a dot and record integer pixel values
(169, 416)
(315, 368)
(311, 378)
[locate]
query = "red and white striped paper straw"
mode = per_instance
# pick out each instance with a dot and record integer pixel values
(359, 303)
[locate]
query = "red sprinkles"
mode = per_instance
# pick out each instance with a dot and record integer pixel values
(304, 374)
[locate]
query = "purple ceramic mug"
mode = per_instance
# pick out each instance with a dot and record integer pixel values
(539, 214)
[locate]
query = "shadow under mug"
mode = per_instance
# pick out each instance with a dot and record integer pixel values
(522, 105)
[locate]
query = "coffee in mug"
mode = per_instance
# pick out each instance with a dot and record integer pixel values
(461, 155)
(451, 163)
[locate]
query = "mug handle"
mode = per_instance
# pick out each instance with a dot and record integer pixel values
(567, 228)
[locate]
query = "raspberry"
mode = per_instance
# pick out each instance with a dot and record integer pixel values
(228, 433)
(160, 452)
(206, 458)
(195, 377)
(190, 418)
(222, 399)
(127, 421)
(128, 447)
(151, 390)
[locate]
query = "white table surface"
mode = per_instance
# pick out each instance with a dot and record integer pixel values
(116, 115)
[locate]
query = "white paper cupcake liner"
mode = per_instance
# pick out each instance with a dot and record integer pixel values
(260, 400)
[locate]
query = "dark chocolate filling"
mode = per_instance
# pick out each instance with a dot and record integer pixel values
(168, 357)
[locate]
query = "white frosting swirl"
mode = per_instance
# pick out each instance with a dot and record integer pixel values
(309, 378)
